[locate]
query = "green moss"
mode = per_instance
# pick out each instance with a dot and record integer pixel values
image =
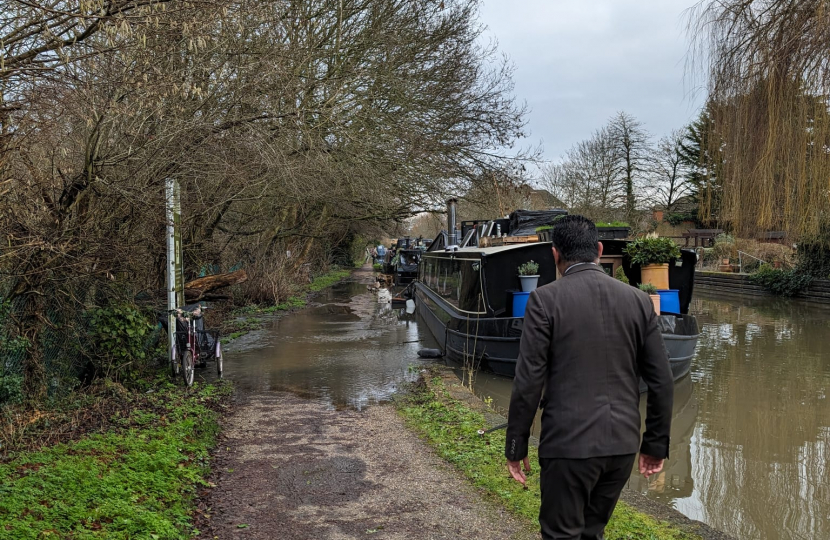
(450, 427)
(135, 482)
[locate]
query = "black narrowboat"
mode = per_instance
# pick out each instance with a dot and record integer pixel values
(464, 297)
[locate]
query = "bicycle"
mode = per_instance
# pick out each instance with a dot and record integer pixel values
(194, 345)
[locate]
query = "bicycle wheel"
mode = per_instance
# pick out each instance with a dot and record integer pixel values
(187, 368)
(219, 359)
(174, 364)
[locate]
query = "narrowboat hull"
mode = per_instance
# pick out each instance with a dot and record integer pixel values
(492, 343)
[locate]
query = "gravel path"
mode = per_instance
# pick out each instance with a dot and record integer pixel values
(293, 469)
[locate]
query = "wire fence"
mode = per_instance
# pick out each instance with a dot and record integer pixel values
(64, 344)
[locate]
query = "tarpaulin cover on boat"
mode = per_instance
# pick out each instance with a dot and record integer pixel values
(524, 222)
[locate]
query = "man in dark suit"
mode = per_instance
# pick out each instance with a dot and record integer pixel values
(587, 340)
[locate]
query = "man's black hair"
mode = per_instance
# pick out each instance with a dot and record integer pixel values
(575, 237)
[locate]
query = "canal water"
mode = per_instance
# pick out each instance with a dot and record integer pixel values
(750, 451)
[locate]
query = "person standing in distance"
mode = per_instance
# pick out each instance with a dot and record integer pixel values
(587, 340)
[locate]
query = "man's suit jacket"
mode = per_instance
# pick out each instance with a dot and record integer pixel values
(587, 339)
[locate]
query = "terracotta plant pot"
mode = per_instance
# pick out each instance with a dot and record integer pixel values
(655, 299)
(656, 274)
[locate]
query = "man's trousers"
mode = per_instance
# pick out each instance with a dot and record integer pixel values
(579, 495)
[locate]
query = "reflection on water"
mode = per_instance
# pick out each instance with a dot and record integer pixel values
(760, 451)
(351, 351)
(750, 449)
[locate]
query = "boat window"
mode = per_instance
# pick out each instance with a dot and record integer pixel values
(458, 281)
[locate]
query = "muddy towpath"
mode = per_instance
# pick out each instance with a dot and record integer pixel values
(313, 449)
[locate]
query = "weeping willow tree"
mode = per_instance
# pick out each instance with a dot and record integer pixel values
(768, 68)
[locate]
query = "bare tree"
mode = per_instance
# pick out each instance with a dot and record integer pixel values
(587, 179)
(632, 146)
(292, 126)
(670, 178)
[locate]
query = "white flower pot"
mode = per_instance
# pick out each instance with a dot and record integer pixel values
(529, 283)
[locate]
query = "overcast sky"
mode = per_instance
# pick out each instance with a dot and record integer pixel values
(578, 62)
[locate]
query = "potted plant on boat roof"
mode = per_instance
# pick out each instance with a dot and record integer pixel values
(529, 275)
(651, 291)
(653, 254)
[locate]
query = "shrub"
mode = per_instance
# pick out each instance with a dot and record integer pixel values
(12, 351)
(620, 275)
(676, 218)
(529, 268)
(119, 335)
(814, 254)
(645, 250)
(648, 288)
(781, 282)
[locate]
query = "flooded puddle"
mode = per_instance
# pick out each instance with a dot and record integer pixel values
(351, 350)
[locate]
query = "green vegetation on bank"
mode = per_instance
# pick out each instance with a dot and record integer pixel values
(329, 279)
(450, 427)
(242, 325)
(134, 476)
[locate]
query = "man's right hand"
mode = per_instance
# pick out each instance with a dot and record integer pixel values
(650, 465)
(515, 468)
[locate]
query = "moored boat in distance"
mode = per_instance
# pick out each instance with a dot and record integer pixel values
(465, 295)
(402, 260)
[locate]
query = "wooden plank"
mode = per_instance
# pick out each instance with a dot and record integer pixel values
(493, 241)
(521, 239)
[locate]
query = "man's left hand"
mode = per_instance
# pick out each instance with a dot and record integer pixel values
(515, 468)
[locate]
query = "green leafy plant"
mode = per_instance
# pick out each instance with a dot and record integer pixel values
(377, 267)
(136, 480)
(12, 351)
(119, 335)
(530, 268)
(781, 282)
(645, 251)
(11, 388)
(544, 228)
(648, 288)
(620, 275)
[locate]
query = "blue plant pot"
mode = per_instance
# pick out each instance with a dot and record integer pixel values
(669, 301)
(520, 303)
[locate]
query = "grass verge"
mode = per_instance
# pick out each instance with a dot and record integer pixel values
(133, 477)
(450, 427)
(242, 323)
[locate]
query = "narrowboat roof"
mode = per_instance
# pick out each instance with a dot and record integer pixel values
(486, 251)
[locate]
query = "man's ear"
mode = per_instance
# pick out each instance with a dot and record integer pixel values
(556, 255)
(599, 250)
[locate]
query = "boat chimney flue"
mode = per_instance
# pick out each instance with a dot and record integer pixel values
(452, 232)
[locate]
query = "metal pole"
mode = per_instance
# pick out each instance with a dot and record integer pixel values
(175, 288)
(452, 233)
